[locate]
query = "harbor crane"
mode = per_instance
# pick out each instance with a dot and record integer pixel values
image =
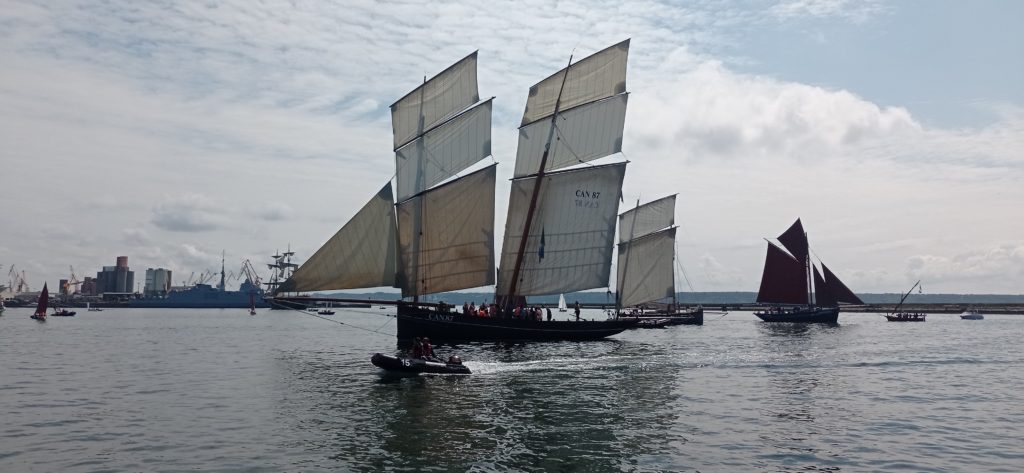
(72, 285)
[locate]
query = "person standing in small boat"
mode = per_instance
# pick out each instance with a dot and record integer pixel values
(577, 310)
(549, 313)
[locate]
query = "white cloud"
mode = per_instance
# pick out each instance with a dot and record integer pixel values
(188, 213)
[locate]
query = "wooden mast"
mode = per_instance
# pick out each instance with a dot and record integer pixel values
(536, 192)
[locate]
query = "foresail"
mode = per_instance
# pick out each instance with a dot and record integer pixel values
(570, 244)
(784, 280)
(456, 244)
(444, 151)
(838, 289)
(645, 270)
(647, 218)
(437, 100)
(598, 76)
(582, 134)
(823, 297)
(361, 254)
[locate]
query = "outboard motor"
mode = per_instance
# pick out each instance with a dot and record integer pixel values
(454, 360)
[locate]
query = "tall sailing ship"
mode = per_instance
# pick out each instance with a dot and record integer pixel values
(786, 284)
(433, 230)
(645, 279)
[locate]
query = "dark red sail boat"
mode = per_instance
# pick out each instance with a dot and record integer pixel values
(44, 301)
(786, 284)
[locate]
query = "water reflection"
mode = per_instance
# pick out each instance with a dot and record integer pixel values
(553, 406)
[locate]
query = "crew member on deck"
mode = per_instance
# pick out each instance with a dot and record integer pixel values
(577, 310)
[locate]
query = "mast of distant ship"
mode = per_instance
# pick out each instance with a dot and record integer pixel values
(536, 191)
(221, 285)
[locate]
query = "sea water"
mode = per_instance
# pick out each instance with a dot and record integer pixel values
(220, 390)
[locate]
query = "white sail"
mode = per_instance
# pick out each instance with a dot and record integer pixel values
(455, 248)
(582, 134)
(650, 217)
(645, 270)
(443, 151)
(562, 307)
(361, 254)
(437, 100)
(571, 238)
(598, 76)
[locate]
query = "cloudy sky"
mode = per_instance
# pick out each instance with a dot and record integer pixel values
(170, 131)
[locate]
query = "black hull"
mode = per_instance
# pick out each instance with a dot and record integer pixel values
(416, 366)
(905, 318)
(454, 327)
(63, 314)
(803, 315)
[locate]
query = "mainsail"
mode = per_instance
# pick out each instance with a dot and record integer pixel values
(646, 270)
(559, 233)
(456, 249)
(570, 244)
(783, 280)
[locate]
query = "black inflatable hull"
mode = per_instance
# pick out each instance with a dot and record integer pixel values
(415, 366)
(454, 327)
(808, 315)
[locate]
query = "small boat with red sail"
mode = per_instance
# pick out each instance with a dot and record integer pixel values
(44, 301)
(786, 284)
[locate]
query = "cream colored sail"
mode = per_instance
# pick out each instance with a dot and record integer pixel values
(645, 270)
(570, 244)
(582, 134)
(455, 248)
(647, 218)
(361, 254)
(434, 102)
(598, 76)
(443, 151)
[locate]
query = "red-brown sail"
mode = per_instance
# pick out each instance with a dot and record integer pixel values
(795, 240)
(823, 296)
(839, 291)
(44, 300)
(783, 281)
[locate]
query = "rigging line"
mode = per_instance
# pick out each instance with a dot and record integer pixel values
(343, 323)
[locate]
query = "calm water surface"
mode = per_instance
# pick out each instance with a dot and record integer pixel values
(219, 390)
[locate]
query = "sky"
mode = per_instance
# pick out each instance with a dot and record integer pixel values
(172, 131)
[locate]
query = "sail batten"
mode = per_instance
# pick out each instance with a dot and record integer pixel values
(453, 248)
(435, 101)
(598, 76)
(361, 254)
(647, 218)
(582, 134)
(570, 243)
(649, 274)
(444, 151)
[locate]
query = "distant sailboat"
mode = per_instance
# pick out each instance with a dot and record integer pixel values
(646, 269)
(89, 308)
(562, 307)
(252, 304)
(786, 284)
(898, 315)
(44, 301)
